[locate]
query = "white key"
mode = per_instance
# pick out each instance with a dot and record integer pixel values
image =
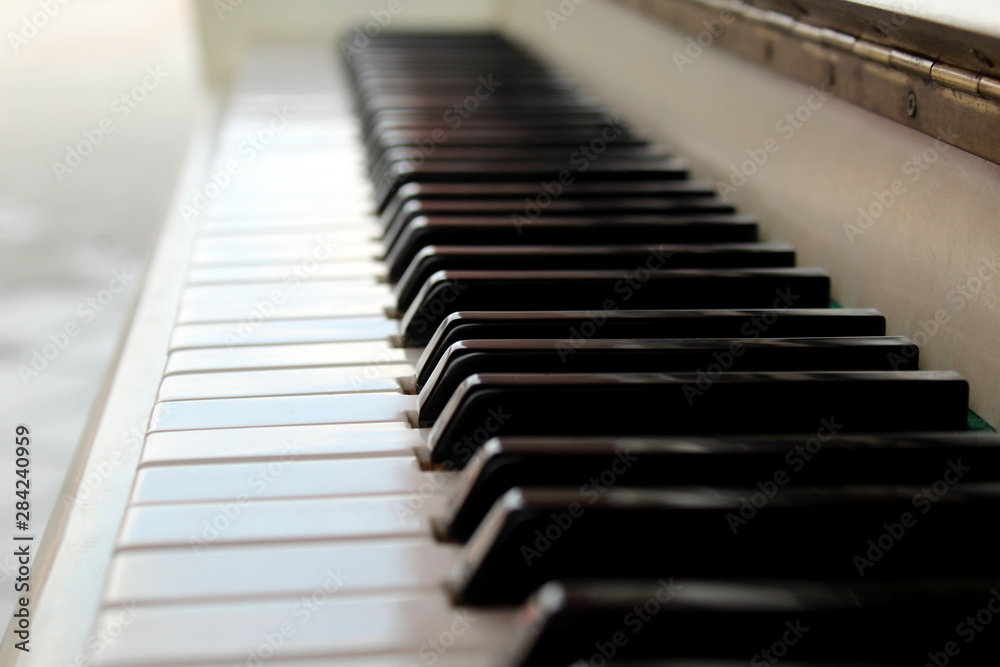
(252, 303)
(321, 380)
(284, 225)
(326, 440)
(269, 332)
(259, 357)
(451, 658)
(262, 273)
(347, 244)
(284, 478)
(245, 295)
(202, 525)
(223, 573)
(322, 624)
(280, 411)
(260, 209)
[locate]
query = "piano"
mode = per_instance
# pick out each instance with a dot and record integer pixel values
(444, 358)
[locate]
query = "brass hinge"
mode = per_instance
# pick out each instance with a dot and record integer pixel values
(811, 55)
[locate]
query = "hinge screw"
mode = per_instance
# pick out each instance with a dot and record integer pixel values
(911, 105)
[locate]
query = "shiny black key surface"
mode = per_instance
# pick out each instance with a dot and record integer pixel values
(610, 168)
(781, 321)
(654, 404)
(554, 231)
(680, 622)
(432, 259)
(447, 292)
(523, 214)
(707, 356)
(532, 536)
(823, 458)
(539, 194)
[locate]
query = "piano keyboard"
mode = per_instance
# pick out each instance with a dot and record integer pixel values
(552, 402)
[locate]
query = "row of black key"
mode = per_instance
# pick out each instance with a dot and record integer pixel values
(576, 321)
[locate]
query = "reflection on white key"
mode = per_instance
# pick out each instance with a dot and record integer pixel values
(255, 571)
(284, 225)
(285, 478)
(262, 273)
(322, 624)
(326, 440)
(288, 356)
(249, 520)
(269, 332)
(453, 658)
(244, 304)
(280, 411)
(321, 380)
(343, 244)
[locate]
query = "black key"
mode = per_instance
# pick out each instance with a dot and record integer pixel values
(432, 259)
(705, 623)
(472, 138)
(708, 357)
(394, 161)
(428, 121)
(782, 321)
(618, 207)
(541, 194)
(551, 230)
(447, 292)
(651, 404)
(532, 536)
(607, 168)
(820, 458)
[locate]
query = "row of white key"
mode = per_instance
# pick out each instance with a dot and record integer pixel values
(279, 514)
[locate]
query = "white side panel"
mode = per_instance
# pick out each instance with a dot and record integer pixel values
(939, 236)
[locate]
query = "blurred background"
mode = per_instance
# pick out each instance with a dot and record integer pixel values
(74, 233)
(98, 99)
